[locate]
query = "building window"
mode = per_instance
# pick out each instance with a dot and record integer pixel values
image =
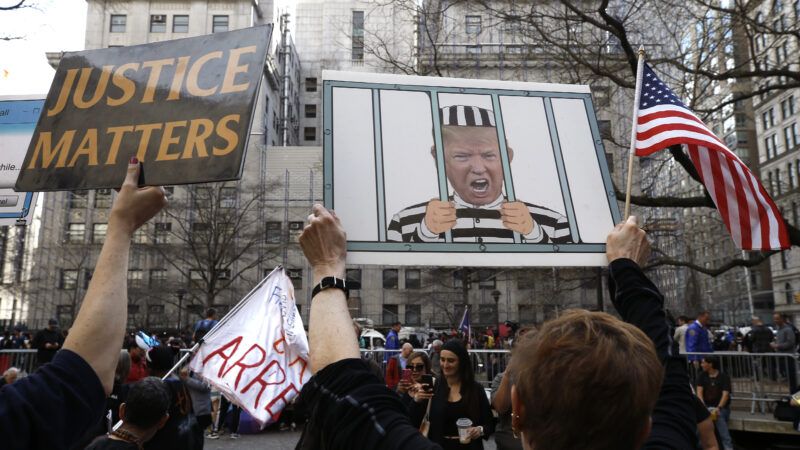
(414, 314)
(202, 197)
(311, 84)
(158, 277)
(790, 173)
(525, 281)
(69, 279)
(527, 313)
(413, 280)
(474, 49)
(787, 137)
(390, 315)
(196, 275)
(227, 197)
(514, 49)
(295, 230)
(118, 23)
(274, 232)
(219, 24)
(390, 278)
(78, 199)
(795, 137)
(140, 235)
(162, 231)
(102, 198)
(158, 23)
(358, 36)
(99, 233)
(180, 24)
(311, 111)
(135, 277)
(473, 24)
(200, 227)
(788, 290)
(486, 279)
(353, 276)
(296, 275)
(604, 126)
(487, 313)
(310, 133)
(224, 274)
(610, 161)
(75, 233)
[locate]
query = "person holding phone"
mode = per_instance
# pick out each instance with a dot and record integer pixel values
(454, 396)
(417, 367)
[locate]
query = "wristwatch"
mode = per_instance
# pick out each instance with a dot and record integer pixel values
(481, 428)
(331, 282)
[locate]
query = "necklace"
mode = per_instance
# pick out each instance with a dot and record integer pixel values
(127, 436)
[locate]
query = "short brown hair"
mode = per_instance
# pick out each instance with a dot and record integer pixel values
(586, 380)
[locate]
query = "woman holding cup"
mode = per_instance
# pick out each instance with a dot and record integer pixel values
(460, 415)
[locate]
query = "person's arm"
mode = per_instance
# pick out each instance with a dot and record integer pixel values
(501, 392)
(103, 314)
(331, 337)
(708, 441)
(487, 418)
(723, 401)
(700, 393)
(640, 303)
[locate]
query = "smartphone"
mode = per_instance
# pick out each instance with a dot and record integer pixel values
(428, 381)
(406, 375)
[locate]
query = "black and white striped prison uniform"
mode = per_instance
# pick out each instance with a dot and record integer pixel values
(479, 224)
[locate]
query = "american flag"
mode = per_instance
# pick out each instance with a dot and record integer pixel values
(749, 213)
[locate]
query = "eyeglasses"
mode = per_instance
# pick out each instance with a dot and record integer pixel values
(416, 367)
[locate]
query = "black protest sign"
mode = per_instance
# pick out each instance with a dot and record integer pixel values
(182, 107)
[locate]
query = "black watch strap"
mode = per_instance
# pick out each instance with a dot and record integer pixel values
(331, 282)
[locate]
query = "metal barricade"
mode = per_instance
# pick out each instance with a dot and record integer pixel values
(22, 359)
(485, 363)
(758, 378)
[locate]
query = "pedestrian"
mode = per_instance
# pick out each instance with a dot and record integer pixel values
(47, 342)
(418, 365)
(392, 342)
(759, 337)
(202, 327)
(714, 389)
(785, 343)
(680, 333)
(396, 365)
(201, 397)
(698, 339)
(143, 413)
(138, 357)
(225, 406)
(436, 347)
(9, 376)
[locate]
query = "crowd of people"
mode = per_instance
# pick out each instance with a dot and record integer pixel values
(582, 380)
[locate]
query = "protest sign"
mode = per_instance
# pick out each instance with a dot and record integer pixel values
(18, 116)
(183, 107)
(454, 172)
(257, 356)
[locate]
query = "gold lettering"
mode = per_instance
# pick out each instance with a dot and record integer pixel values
(64, 94)
(99, 90)
(155, 73)
(118, 133)
(177, 80)
(196, 139)
(147, 131)
(232, 69)
(192, 78)
(88, 147)
(168, 139)
(48, 154)
(228, 134)
(127, 86)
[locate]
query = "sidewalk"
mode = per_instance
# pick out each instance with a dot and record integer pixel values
(274, 440)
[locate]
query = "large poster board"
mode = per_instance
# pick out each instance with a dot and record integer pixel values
(183, 107)
(454, 172)
(18, 116)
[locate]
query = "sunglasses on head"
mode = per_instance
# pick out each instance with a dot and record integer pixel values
(416, 367)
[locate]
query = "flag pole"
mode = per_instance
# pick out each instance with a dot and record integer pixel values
(637, 94)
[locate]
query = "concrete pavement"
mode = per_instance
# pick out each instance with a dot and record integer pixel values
(272, 440)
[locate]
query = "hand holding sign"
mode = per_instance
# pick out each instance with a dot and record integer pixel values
(324, 243)
(134, 206)
(440, 216)
(629, 241)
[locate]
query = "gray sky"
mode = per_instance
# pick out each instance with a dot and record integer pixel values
(46, 26)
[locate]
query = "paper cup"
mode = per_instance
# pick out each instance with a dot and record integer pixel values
(462, 424)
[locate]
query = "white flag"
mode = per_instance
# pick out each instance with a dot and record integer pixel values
(258, 355)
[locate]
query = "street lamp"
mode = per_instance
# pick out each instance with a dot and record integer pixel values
(496, 297)
(180, 293)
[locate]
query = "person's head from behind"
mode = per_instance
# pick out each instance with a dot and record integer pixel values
(10, 375)
(437, 345)
(146, 408)
(704, 317)
(471, 153)
(123, 367)
(161, 359)
(683, 320)
(585, 380)
(52, 324)
(211, 314)
(419, 364)
(709, 364)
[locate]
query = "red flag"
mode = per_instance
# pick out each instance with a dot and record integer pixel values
(749, 213)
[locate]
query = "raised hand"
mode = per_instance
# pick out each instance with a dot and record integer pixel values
(516, 217)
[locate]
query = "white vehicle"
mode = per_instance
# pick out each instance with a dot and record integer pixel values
(374, 339)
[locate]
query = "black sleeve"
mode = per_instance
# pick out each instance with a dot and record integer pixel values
(52, 408)
(726, 384)
(700, 410)
(348, 407)
(487, 418)
(640, 303)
